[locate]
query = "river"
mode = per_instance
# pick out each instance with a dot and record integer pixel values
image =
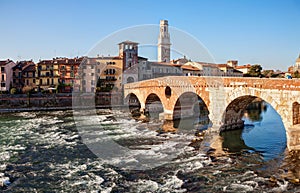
(53, 152)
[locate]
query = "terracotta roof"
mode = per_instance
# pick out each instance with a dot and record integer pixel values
(29, 68)
(21, 64)
(45, 62)
(237, 71)
(107, 58)
(4, 62)
(190, 68)
(244, 66)
(224, 66)
(165, 64)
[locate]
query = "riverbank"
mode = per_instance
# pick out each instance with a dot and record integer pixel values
(61, 101)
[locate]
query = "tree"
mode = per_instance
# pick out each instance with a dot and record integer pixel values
(268, 73)
(255, 70)
(296, 74)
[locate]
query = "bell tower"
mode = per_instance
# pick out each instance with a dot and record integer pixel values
(164, 43)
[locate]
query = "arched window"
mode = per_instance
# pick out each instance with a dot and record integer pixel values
(130, 79)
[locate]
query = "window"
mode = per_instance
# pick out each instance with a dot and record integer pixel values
(2, 69)
(72, 74)
(72, 67)
(3, 78)
(33, 81)
(27, 82)
(2, 84)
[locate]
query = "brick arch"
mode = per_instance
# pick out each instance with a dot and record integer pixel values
(236, 106)
(155, 100)
(139, 97)
(189, 102)
(129, 97)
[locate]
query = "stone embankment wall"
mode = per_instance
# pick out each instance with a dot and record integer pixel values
(60, 101)
(35, 100)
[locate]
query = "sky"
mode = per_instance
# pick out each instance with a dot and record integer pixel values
(265, 32)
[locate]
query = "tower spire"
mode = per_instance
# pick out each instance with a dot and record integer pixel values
(164, 43)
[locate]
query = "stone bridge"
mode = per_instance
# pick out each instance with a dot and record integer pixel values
(226, 98)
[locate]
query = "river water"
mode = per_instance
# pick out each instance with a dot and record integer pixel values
(46, 152)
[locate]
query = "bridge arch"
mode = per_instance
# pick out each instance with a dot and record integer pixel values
(189, 104)
(153, 105)
(232, 117)
(133, 103)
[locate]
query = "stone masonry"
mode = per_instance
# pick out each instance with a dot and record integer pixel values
(227, 98)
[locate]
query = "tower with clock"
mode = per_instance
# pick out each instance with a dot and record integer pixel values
(164, 43)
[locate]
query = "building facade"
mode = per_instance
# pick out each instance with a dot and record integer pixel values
(67, 70)
(6, 74)
(244, 68)
(101, 74)
(48, 75)
(20, 72)
(29, 77)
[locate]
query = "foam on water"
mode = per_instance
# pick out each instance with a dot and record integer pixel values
(178, 164)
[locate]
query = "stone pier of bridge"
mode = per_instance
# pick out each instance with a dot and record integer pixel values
(226, 99)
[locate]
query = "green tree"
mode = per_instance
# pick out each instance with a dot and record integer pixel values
(296, 74)
(255, 70)
(268, 73)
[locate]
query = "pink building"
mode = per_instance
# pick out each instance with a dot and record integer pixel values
(6, 74)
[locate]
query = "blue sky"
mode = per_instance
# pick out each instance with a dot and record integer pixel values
(252, 31)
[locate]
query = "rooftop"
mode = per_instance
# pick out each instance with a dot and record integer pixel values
(128, 42)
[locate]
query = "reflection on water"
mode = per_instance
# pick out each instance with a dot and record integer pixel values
(233, 141)
(264, 132)
(254, 110)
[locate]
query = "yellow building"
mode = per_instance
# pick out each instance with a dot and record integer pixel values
(47, 75)
(109, 73)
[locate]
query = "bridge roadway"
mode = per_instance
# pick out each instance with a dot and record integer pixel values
(225, 97)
